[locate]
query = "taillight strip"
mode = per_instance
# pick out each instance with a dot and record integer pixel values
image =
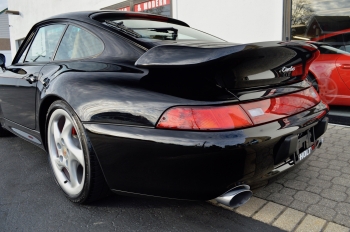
(238, 116)
(280, 107)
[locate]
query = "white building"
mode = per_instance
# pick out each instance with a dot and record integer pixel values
(233, 20)
(5, 47)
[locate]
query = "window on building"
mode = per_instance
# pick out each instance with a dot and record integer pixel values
(45, 42)
(78, 43)
(322, 21)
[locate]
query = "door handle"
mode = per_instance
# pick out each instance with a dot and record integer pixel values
(31, 78)
(345, 66)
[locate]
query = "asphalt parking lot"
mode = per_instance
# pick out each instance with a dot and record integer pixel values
(315, 196)
(30, 200)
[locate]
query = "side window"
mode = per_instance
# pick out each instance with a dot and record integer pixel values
(347, 48)
(347, 42)
(43, 47)
(78, 43)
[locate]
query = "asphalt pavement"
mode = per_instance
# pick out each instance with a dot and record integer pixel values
(30, 200)
(339, 115)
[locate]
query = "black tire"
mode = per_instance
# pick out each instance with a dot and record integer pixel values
(94, 186)
(313, 82)
(5, 133)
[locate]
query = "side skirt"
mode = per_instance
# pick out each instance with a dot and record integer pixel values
(124, 193)
(25, 133)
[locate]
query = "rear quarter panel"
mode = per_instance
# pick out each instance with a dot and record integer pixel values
(115, 92)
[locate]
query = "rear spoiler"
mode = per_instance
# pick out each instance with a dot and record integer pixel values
(234, 67)
(174, 55)
(192, 54)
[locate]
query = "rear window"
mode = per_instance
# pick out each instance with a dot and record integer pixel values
(155, 30)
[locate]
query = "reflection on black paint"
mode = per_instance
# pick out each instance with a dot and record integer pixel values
(121, 118)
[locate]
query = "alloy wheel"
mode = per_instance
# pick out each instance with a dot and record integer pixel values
(66, 153)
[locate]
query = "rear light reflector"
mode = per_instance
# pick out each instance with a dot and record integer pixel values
(321, 115)
(238, 116)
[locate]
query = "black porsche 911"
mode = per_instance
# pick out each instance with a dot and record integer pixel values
(141, 104)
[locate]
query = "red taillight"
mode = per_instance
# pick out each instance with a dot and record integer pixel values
(280, 107)
(204, 118)
(238, 116)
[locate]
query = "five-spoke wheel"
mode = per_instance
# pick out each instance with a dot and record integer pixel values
(66, 153)
(73, 161)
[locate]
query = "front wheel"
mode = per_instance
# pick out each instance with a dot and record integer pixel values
(73, 162)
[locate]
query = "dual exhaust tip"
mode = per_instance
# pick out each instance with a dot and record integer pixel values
(236, 197)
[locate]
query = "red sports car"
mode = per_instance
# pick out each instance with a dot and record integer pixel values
(330, 75)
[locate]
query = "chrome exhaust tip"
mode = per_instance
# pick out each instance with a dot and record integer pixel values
(236, 197)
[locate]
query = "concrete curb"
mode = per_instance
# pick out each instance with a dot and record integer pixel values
(283, 217)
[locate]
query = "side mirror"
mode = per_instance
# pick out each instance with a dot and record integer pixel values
(2, 61)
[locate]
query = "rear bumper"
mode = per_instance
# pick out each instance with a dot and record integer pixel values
(195, 165)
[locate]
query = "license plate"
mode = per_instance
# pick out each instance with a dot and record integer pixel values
(305, 153)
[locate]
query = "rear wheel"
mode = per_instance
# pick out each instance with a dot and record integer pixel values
(73, 162)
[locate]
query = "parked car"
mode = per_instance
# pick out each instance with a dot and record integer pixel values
(330, 75)
(338, 39)
(146, 105)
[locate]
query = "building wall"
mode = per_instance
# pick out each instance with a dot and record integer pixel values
(5, 47)
(4, 26)
(5, 44)
(233, 20)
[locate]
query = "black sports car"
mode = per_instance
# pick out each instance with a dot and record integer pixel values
(143, 104)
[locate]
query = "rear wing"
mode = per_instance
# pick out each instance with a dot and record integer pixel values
(238, 66)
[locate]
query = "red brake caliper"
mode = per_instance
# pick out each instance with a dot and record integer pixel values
(74, 132)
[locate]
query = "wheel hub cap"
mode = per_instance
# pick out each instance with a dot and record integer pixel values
(65, 152)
